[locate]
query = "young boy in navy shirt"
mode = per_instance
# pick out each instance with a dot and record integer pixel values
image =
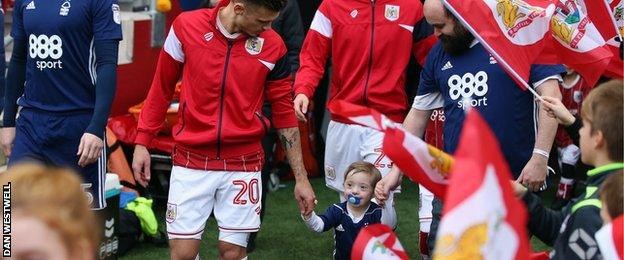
(349, 217)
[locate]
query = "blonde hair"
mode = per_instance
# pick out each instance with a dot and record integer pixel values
(54, 196)
(364, 167)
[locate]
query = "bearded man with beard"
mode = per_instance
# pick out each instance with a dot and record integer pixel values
(460, 73)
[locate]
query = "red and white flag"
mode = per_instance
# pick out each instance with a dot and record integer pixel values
(360, 115)
(601, 13)
(610, 240)
(514, 31)
(616, 7)
(520, 33)
(420, 162)
(609, 20)
(482, 219)
(377, 242)
(577, 42)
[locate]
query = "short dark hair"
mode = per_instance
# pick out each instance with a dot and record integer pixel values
(611, 194)
(602, 109)
(271, 5)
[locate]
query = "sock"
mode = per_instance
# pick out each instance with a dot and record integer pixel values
(566, 181)
(566, 186)
(422, 244)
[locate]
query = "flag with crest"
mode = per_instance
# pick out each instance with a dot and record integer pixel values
(420, 162)
(377, 242)
(482, 219)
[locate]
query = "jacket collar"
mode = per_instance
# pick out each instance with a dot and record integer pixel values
(213, 15)
(605, 168)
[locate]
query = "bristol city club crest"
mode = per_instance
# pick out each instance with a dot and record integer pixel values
(578, 96)
(618, 16)
(172, 211)
(253, 45)
(392, 12)
(521, 23)
(563, 21)
(571, 27)
(330, 173)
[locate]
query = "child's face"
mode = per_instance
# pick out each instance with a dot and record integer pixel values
(359, 185)
(34, 238)
(586, 143)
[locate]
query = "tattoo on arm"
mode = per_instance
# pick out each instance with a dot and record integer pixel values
(289, 137)
(287, 142)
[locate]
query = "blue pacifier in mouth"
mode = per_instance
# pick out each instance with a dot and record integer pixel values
(355, 200)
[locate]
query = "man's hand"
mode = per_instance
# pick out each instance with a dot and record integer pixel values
(304, 194)
(301, 106)
(7, 136)
(534, 172)
(89, 150)
(386, 184)
(141, 165)
(307, 217)
(381, 192)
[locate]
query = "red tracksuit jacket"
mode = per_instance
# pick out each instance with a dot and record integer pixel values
(223, 87)
(370, 44)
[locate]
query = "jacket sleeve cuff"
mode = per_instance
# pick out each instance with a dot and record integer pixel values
(307, 91)
(99, 134)
(314, 222)
(285, 120)
(143, 138)
(6, 122)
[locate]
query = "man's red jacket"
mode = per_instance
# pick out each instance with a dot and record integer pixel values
(224, 83)
(370, 43)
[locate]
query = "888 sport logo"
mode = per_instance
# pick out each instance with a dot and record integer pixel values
(46, 50)
(469, 89)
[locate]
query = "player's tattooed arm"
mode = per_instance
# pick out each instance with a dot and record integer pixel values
(304, 194)
(289, 137)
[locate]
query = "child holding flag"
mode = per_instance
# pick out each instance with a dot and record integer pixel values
(571, 231)
(349, 217)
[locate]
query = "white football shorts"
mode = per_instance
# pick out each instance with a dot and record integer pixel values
(194, 194)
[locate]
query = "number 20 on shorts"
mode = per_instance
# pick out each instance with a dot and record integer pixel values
(251, 189)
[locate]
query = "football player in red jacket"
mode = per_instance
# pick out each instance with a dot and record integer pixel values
(229, 60)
